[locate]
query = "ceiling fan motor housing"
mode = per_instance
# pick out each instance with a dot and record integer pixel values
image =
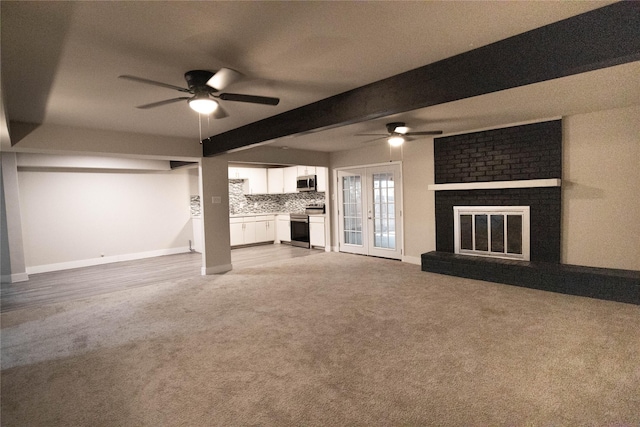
(197, 80)
(391, 127)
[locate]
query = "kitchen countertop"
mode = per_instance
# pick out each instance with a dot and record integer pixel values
(257, 214)
(271, 213)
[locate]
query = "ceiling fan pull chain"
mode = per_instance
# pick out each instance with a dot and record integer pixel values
(200, 126)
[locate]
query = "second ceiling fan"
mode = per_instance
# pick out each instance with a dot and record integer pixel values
(398, 133)
(204, 87)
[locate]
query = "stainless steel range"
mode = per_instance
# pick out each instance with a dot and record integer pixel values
(300, 225)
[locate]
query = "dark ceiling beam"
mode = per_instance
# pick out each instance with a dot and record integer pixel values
(598, 39)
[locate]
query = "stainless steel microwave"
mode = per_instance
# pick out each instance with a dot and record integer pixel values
(306, 183)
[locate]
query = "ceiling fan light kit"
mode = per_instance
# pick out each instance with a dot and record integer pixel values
(395, 141)
(203, 105)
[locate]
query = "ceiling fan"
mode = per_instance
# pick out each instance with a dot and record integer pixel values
(398, 133)
(204, 87)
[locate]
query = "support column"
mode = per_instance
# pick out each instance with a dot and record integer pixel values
(12, 257)
(214, 195)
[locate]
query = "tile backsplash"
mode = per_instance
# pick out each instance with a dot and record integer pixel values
(240, 203)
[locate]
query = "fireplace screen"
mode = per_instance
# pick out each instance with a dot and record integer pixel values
(496, 231)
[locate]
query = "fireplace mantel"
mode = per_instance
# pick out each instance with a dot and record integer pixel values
(495, 185)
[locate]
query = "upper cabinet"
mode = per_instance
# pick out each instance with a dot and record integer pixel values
(255, 179)
(237, 173)
(306, 170)
(276, 180)
(290, 178)
(321, 176)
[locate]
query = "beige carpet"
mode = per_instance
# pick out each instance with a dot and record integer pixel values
(332, 339)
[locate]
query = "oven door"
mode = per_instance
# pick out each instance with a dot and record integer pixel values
(300, 232)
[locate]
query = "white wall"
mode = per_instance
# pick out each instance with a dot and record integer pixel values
(73, 218)
(601, 189)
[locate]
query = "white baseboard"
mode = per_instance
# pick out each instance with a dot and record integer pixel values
(103, 260)
(205, 271)
(412, 260)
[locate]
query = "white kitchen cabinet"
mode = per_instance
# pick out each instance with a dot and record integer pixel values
(290, 179)
(275, 180)
(246, 230)
(237, 173)
(249, 232)
(321, 176)
(316, 231)
(283, 228)
(242, 231)
(271, 229)
(236, 231)
(306, 170)
(265, 228)
(255, 179)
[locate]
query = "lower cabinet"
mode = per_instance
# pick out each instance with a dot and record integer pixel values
(251, 229)
(283, 228)
(247, 230)
(265, 229)
(316, 231)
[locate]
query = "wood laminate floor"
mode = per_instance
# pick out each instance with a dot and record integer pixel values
(66, 285)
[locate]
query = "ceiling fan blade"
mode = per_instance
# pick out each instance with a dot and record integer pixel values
(427, 132)
(153, 82)
(375, 139)
(160, 103)
(219, 113)
(371, 134)
(249, 98)
(223, 78)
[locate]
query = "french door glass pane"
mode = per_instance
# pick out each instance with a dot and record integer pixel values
(514, 234)
(383, 211)
(482, 233)
(466, 232)
(497, 233)
(351, 201)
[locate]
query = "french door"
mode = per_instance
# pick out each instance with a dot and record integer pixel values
(369, 211)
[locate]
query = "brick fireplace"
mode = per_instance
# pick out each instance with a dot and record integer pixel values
(498, 170)
(515, 166)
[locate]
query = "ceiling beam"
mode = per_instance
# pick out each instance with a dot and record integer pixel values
(597, 39)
